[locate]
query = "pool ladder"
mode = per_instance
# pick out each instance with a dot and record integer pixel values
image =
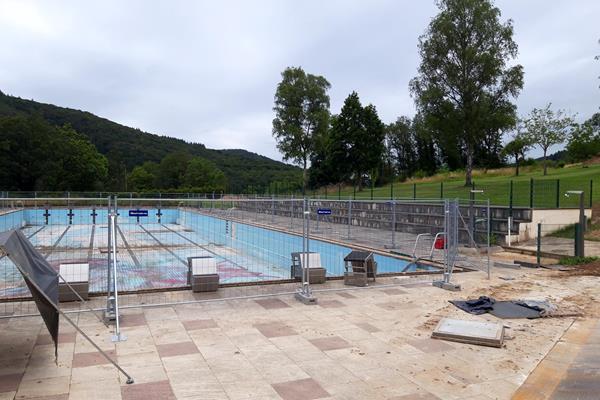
(422, 236)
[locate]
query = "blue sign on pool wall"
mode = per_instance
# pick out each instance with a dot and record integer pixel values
(324, 211)
(138, 213)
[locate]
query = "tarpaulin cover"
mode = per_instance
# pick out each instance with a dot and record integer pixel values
(500, 309)
(36, 271)
(478, 306)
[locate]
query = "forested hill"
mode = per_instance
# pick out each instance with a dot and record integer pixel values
(127, 147)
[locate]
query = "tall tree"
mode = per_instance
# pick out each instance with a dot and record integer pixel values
(517, 147)
(301, 113)
(356, 145)
(584, 140)
(369, 148)
(465, 83)
(546, 128)
(401, 144)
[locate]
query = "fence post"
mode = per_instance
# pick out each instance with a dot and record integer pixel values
(591, 191)
(393, 224)
(414, 191)
(339, 191)
(441, 190)
(558, 193)
(392, 190)
(272, 209)
(489, 233)
(325, 192)
(579, 243)
(539, 244)
(372, 185)
(349, 217)
(354, 192)
(531, 193)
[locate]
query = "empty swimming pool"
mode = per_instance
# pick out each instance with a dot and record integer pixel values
(153, 250)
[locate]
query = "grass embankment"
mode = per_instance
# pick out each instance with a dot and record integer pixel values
(592, 233)
(548, 191)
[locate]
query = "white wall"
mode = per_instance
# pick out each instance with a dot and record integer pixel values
(551, 220)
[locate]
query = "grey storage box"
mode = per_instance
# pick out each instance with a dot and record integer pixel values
(78, 277)
(316, 272)
(202, 274)
(359, 267)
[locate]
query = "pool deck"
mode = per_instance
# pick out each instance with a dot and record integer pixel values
(356, 344)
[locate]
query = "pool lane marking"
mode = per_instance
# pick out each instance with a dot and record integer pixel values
(203, 248)
(47, 253)
(36, 232)
(129, 250)
(184, 262)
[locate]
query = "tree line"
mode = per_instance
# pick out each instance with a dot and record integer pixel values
(464, 92)
(38, 156)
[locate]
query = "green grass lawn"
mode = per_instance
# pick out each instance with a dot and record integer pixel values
(548, 191)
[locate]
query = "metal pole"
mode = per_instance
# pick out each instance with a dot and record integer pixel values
(510, 199)
(292, 213)
(539, 244)
(488, 239)
(579, 243)
(393, 224)
(349, 216)
(109, 300)
(272, 209)
(117, 337)
(509, 231)
(531, 193)
(307, 284)
(582, 218)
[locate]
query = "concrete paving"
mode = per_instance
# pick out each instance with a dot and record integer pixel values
(571, 370)
(356, 344)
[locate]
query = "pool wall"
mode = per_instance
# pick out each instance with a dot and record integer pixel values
(271, 247)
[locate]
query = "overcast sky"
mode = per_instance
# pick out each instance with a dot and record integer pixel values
(207, 71)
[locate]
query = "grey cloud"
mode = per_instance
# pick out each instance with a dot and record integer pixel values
(206, 71)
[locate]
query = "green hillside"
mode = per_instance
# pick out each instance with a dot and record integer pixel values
(127, 147)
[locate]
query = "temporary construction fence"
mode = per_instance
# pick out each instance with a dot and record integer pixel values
(145, 251)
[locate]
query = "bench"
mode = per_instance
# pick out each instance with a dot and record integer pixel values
(202, 274)
(77, 275)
